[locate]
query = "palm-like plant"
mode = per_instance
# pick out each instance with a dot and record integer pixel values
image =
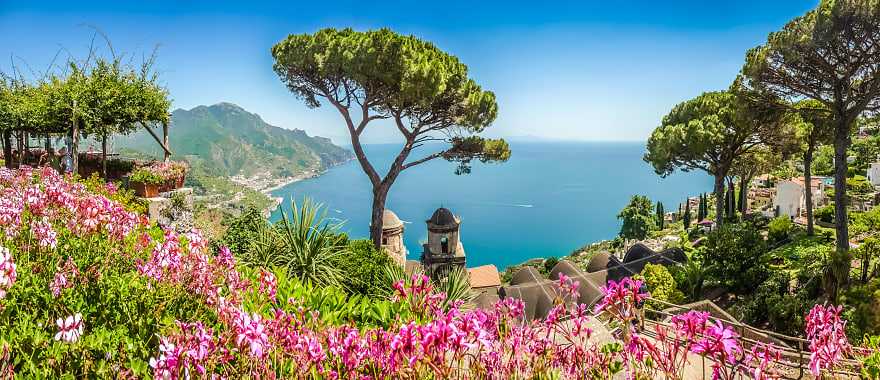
(457, 287)
(306, 244)
(694, 277)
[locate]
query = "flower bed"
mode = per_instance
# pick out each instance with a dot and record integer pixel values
(89, 289)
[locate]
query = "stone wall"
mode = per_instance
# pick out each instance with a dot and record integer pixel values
(173, 209)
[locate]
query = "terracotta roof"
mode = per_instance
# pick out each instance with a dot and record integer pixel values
(484, 276)
(814, 182)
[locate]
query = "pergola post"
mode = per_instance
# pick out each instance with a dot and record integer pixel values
(26, 153)
(104, 156)
(20, 143)
(75, 147)
(7, 148)
(165, 141)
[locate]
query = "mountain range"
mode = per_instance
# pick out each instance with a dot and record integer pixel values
(225, 140)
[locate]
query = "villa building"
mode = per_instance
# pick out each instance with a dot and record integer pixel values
(790, 197)
(874, 174)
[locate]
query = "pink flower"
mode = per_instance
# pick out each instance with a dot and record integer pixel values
(620, 299)
(268, 283)
(568, 286)
(70, 328)
(720, 342)
(826, 332)
(250, 330)
(166, 366)
(63, 278)
(7, 272)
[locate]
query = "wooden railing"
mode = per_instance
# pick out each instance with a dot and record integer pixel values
(793, 350)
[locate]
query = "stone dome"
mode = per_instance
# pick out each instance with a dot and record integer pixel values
(637, 252)
(390, 220)
(443, 217)
(599, 262)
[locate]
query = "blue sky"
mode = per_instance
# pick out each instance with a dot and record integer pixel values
(565, 70)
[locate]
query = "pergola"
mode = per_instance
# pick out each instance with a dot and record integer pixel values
(101, 100)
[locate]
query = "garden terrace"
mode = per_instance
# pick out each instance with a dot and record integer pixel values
(89, 288)
(98, 98)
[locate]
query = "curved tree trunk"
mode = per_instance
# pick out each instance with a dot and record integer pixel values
(808, 193)
(719, 199)
(841, 143)
(380, 194)
(731, 203)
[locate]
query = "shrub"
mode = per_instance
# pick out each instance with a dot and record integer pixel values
(549, 263)
(242, 230)
(825, 213)
(863, 308)
(661, 285)
(734, 255)
(363, 268)
(779, 229)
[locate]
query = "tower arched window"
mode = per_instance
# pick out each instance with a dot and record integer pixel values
(444, 245)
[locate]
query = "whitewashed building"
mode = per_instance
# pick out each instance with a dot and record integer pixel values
(790, 198)
(874, 174)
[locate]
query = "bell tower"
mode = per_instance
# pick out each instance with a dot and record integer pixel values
(444, 250)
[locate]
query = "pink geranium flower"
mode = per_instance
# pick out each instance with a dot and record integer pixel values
(70, 328)
(7, 271)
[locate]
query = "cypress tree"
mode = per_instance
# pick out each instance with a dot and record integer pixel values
(686, 219)
(661, 215)
(701, 208)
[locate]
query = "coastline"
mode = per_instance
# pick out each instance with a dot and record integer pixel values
(266, 183)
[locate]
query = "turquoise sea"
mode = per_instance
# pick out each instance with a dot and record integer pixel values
(547, 200)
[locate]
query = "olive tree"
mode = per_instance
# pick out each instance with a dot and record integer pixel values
(424, 92)
(831, 55)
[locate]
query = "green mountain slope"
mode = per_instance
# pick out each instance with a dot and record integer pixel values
(226, 140)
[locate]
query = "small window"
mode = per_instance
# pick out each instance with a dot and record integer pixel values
(384, 241)
(444, 245)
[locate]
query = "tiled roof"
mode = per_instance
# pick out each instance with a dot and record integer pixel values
(484, 276)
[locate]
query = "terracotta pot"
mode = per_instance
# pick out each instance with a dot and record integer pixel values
(181, 180)
(166, 186)
(146, 190)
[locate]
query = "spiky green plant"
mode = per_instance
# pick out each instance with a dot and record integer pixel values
(305, 243)
(457, 287)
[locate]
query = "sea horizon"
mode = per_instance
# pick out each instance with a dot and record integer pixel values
(550, 199)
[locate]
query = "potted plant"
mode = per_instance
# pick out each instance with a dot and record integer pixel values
(180, 169)
(173, 174)
(145, 182)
